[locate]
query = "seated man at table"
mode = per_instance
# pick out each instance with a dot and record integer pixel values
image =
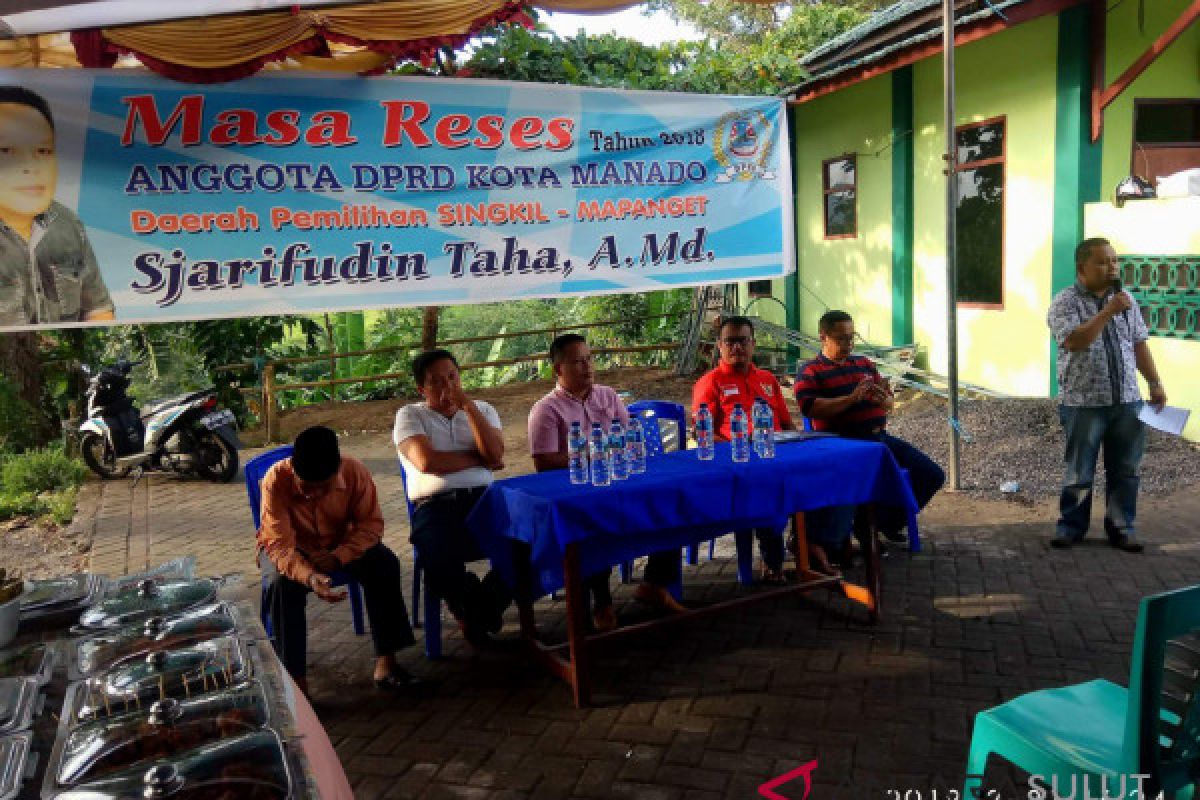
(578, 398)
(736, 380)
(449, 445)
(845, 394)
(320, 514)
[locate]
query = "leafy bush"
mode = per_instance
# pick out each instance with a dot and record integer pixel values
(40, 471)
(60, 506)
(15, 504)
(16, 434)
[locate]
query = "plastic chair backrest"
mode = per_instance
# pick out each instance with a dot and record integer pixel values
(658, 439)
(404, 486)
(255, 470)
(1162, 723)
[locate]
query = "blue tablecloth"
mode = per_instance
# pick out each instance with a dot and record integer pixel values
(679, 500)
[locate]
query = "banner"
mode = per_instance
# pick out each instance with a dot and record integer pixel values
(135, 199)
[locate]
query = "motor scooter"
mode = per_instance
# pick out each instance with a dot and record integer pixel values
(187, 434)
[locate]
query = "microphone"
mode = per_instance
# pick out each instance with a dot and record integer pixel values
(1116, 284)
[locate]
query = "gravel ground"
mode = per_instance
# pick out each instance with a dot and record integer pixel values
(1021, 439)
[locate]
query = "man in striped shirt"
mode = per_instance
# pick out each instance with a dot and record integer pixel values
(845, 394)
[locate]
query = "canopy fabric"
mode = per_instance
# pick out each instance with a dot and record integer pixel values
(46, 50)
(209, 47)
(56, 50)
(228, 47)
(29, 17)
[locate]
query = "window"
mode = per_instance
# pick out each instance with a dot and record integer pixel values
(759, 288)
(980, 213)
(1166, 137)
(839, 184)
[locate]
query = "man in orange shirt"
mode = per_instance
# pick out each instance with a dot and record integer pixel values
(320, 514)
(736, 380)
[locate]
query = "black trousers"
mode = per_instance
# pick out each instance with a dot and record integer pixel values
(445, 545)
(925, 476)
(377, 571)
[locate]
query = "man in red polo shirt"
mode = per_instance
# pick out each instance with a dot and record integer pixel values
(736, 380)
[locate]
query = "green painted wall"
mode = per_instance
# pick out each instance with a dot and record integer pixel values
(1010, 75)
(1033, 75)
(1176, 73)
(1077, 159)
(851, 274)
(1167, 226)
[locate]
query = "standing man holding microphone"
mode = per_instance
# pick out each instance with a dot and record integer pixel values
(1102, 345)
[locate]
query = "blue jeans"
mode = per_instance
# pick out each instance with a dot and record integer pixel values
(1123, 437)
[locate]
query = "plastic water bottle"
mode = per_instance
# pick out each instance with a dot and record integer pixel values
(616, 451)
(598, 448)
(577, 454)
(635, 446)
(705, 445)
(764, 429)
(739, 435)
(757, 429)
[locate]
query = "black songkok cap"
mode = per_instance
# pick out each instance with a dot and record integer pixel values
(315, 456)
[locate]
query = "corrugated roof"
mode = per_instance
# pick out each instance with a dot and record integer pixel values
(878, 21)
(878, 24)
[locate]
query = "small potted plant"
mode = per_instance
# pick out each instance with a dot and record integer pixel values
(11, 588)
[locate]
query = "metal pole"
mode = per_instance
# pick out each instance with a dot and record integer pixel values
(951, 250)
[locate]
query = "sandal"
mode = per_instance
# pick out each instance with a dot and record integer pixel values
(401, 681)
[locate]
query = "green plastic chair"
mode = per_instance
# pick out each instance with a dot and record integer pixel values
(1104, 731)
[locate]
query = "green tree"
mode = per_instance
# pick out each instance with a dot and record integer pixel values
(515, 53)
(797, 26)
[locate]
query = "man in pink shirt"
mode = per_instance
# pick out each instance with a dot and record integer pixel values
(578, 398)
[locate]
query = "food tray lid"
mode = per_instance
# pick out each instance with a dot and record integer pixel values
(148, 599)
(18, 700)
(28, 661)
(16, 763)
(136, 683)
(103, 650)
(252, 766)
(169, 726)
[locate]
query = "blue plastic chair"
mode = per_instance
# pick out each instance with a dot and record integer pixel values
(255, 470)
(1104, 731)
(653, 413)
(659, 410)
(433, 603)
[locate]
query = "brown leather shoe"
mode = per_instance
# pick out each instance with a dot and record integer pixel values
(658, 597)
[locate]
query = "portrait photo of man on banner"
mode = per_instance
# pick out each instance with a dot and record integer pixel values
(48, 271)
(134, 199)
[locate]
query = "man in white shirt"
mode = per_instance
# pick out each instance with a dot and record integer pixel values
(449, 445)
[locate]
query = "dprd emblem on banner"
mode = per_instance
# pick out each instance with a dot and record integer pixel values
(742, 144)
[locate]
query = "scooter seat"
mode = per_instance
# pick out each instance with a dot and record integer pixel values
(173, 401)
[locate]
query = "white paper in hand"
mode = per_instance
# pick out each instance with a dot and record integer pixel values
(1169, 420)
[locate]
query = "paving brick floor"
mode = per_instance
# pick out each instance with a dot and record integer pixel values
(715, 708)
